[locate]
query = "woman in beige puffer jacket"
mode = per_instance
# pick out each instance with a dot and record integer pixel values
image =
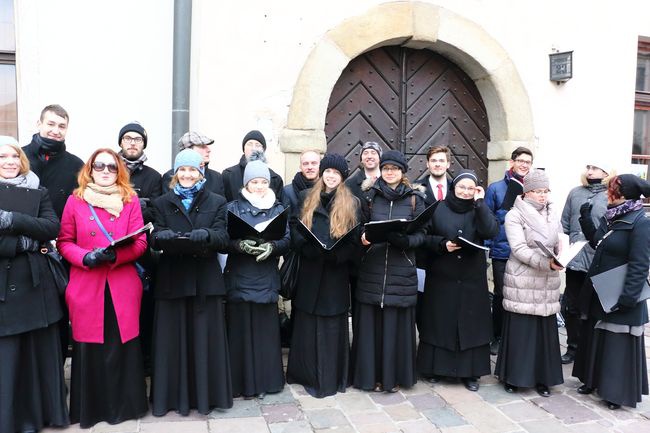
(529, 355)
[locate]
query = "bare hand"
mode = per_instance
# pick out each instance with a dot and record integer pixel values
(555, 266)
(479, 192)
(451, 247)
(364, 242)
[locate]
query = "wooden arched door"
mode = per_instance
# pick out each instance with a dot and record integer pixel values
(408, 100)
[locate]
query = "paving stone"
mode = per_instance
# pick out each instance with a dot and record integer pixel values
(456, 394)
(460, 429)
(545, 426)
(592, 427)
(566, 409)
(485, 417)
(378, 428)
(637, 427)
(523, 411)
(238, 425)
(353, 403)
(284, 396)
(339, 429)
(302, 426)
(173, 416)
(326, 418)
(376, 417)
(175, 427)
(309, 402)
(241, 409)
(418, 426)
(426, 401)
(386, 398)
(71, 429)
(495, 394)
(419, 388)
(298, 390)
(444, 417)
(402, 412)
(130, 426)
(274, 413)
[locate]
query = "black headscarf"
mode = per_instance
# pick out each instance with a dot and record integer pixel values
(456, 203)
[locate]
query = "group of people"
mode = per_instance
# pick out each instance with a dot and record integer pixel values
(161, 304)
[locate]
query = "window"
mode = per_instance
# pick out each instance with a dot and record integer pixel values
(641, 137)
(8, 110)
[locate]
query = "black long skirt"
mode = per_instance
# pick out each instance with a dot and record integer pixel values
(32, 388)
(616, 367)
(438, 361)
(383, 347)
(107, 381)
(255, 348)
(529, 353)
(191, 365)
(583, 351)
(320, 353)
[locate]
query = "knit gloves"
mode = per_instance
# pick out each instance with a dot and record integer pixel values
(6, 218)
(262, 251)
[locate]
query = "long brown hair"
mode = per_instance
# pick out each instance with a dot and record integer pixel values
(343, 216)
(122, 181)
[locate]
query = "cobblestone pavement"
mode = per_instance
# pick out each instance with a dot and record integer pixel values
(442, 407)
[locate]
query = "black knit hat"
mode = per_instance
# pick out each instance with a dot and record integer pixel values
(633, 187)
(132, 127)
(396, 158)
(335, 161)
(465, 174)
(254, 135)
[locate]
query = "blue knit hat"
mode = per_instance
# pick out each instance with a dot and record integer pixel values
(189, 158)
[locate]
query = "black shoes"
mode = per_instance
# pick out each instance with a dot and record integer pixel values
(471, 383)
(584, 389)
(612, 406)
(542, 390)
(433, 379)
(568, 357)
(494, 346)
(510, 389)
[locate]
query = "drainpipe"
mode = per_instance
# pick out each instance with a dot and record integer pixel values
(181, 71)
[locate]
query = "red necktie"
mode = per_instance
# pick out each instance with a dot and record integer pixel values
(440, 197)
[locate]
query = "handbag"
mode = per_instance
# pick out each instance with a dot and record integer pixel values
(57, 268)
(289, 275)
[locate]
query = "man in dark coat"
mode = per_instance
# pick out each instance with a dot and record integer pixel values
(302, 181)
(201, 144)
(146, 181)
(57, 170)
(368, 168)
(499, 198)
(233, 176)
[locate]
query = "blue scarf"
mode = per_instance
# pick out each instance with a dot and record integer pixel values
(187, 194)
(627, 206)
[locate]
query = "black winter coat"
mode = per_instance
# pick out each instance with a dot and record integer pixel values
(246, 279)
(28, 297)
(185, 268)
(213, 181)
(233, 181)
(58, 174)
(628, 242)
(324, 282)
(456, 307)
(387, 275)
(146, 182)
(429, 194)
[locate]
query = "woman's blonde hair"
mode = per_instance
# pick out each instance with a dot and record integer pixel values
(122, 181)
(174, 181)
(24, 162)
(343, 216)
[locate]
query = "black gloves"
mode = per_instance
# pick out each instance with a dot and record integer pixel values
(398, 240)
(144, 202)
(620, 308)
(200, 236)
(6, 218)
(99, 256)
(27, 244)
(585, 210)
(165, 235)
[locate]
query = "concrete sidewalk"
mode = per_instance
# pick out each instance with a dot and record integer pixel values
(443, 407)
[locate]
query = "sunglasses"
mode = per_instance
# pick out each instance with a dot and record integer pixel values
(100, 166)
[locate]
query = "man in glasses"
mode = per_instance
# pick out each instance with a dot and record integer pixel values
(57, 170)
(499, 197)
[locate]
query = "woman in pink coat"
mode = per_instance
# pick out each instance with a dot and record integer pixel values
(104, 294)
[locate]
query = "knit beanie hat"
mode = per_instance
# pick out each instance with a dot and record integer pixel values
(189, 158)
(536, 179)
(601, 163)
(371, 145)
(133, 127)
(396, 158)
(465, 174)
(633, 187)
(7, 139)
(255, 169)
(254, 135)
(335, 161)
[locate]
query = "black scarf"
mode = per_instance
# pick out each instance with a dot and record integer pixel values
(326, 198)
(389, 193)
(47, 147)
(300, 182)
(458, 205)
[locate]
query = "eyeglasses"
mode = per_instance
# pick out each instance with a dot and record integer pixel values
(524, 161)
(540, 191)
(390, 168)
(100, 166)
(465, 188)
(131, 140)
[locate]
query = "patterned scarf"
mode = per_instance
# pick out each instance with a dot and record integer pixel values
(133, 164)
(187, 194)
(105, 197)
(29, 180)
(627, 206)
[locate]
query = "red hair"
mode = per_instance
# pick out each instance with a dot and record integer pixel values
(614, 189)
(123, 181)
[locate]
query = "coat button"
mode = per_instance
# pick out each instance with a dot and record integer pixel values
(459, 256)
(92, 233)
(92, 218)
(112, 218)
(12, 288)
(110, 233)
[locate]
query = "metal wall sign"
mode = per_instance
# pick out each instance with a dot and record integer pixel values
(561, 66)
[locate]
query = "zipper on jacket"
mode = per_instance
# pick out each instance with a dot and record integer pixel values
(383, 289)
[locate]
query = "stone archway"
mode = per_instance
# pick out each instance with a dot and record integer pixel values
(414, 25)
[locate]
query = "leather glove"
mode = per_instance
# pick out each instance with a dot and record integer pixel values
(311, 251)
(249, 246)
(585, 210)
(99, 256)
(200, 236)
(398, 240)
(6, 218)
(165, 235)
(267, 249)
(144, 202)
(26, 244)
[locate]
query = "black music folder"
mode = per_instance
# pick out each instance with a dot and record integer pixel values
(311, 237)
(376, 231)
(271, 230)
(23, 200)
